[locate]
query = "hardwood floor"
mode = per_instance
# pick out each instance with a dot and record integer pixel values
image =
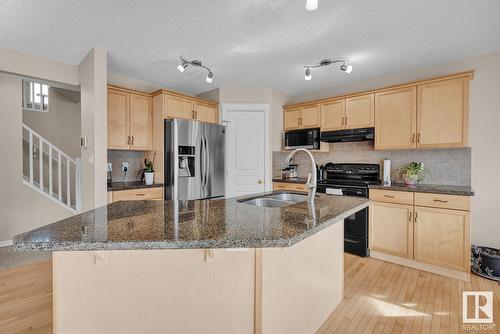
(380, 297)
(26, 299)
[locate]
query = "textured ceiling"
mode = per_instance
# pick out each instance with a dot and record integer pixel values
(252, 42)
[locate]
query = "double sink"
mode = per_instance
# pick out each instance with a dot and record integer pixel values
(275, 200)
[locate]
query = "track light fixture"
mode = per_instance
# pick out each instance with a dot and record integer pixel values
(326, 62)
(184, 63)
(311, 5)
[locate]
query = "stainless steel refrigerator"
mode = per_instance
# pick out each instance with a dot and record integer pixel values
(194, 160)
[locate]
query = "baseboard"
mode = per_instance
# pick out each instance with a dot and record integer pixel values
(421, 266)
(6, 243)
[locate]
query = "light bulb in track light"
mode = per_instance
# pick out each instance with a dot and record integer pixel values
(312, 5)
(182, 67)
(308, 75)
(209, 78)
(346, 68)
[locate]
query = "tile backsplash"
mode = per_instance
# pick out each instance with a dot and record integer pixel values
(447, 166)
(135, 160)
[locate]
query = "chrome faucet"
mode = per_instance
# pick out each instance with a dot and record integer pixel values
(311, 179)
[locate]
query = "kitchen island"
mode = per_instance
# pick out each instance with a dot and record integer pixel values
(206, 266)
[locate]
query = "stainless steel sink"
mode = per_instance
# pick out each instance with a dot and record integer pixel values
(276, 201)
(296, 198)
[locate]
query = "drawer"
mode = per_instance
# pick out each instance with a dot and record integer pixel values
(390, 196)
(298, 187)
(138, 194)
(282, 186)
(443, 201)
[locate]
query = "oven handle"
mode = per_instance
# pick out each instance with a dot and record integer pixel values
(350, 240)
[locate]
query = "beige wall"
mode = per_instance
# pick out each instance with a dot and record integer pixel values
(22, 208)
(484, 121)
(61, 125)
(93, 78)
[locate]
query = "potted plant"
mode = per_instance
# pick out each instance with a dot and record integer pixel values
(413, 173)
(147, 173)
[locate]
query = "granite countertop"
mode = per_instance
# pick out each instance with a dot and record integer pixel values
(117, 186)
(218, 223)
(428, 188)
(294, 180)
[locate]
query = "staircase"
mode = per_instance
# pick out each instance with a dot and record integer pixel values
(50, 171)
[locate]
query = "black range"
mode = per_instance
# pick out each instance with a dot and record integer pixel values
(348, 179)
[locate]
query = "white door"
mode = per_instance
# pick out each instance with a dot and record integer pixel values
(245, 154)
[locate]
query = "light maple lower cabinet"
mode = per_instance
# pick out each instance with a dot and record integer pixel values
(442, 237)
(428, 229)
(136, 194)
(289, 186)
(391, 228)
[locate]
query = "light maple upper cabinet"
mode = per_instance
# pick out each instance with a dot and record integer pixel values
(118, 120)
(442, 113)
(130, 121)
(178, 107)
(304, 117)
(396, 119)
(310, 116)
(291, 118)
(391, 228)
(332, 115)
(442, 237)
(186, 108)
(141, 123)
(360, 112)
(206, 112)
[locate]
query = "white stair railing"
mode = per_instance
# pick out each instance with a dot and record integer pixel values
(50, 171)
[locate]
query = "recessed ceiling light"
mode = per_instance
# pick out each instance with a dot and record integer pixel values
(312, 5)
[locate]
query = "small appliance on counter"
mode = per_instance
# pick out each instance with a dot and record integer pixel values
(293, 171)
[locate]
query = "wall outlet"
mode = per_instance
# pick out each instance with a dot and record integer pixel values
(110, 167)
(125, 166)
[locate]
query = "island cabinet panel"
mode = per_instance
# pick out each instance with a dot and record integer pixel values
(141, 123)
(291, 119)
(333, 115)
(360, 111)
(391, 229)
(396, 119)
(310, 116)
(443, 113)
(154, 291)
(178, 107)
(118, 120)
(442, 237)
(301, 284)
(138, 194)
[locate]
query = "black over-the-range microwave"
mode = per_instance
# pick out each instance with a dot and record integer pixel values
(307, 138)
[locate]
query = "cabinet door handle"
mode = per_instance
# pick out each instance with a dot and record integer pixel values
(132, 140)
(389, 196)
(342, 120)
(415, 217)
(409, 216)
(440, 201)
(413, 139)
(346, 120)
(418, 138)
(140, 194)
(196, 114)
(128, 140)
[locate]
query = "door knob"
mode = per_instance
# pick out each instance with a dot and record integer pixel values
(260, 181)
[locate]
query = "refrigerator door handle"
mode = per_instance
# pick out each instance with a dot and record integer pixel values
(207, 169)
(202, 162)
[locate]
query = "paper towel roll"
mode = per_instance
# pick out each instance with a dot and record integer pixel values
(387, 172)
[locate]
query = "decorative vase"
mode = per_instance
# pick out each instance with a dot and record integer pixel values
(149, 178)
(410, 180)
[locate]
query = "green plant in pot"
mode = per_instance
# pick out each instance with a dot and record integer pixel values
(148, 172)
(413, 173)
